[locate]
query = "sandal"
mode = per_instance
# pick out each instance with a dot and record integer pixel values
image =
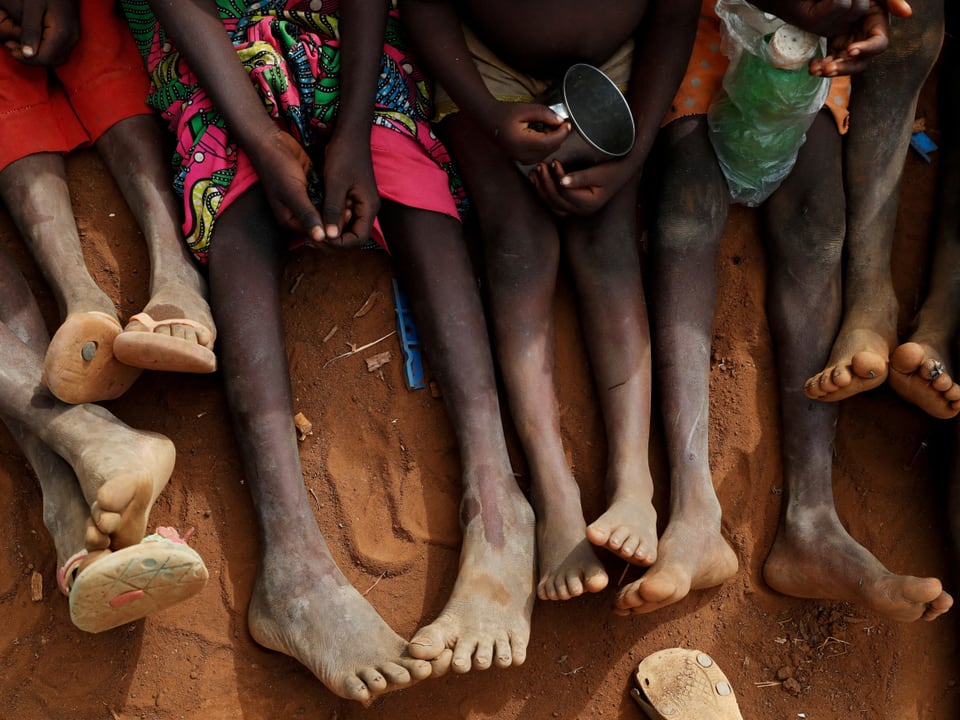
(678, 684)
(129, 584)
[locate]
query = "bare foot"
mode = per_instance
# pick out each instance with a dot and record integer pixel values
(568, 564)
(858, 362)
(919, 377)
(690, 557)
(629, 529)
(487, 619)
(175, 332)
(304, 607)
(121, 472)
(816, 558)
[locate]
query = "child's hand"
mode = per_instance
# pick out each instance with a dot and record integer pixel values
(582, 192)
(351, 200)
(528, 132)
(48, 30)
(850, 52)
(282, 165)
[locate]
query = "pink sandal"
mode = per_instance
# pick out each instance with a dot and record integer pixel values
(129, 584)
(151, 350)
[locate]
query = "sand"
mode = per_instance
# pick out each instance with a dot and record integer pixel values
(381, 469)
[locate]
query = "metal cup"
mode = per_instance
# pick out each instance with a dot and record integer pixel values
(603, 126)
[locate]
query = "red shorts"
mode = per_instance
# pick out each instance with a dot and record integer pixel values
(70, 106)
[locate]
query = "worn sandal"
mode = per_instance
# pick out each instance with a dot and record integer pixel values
(679, 684)
(80, 365)
(151, 350)
(129, 584)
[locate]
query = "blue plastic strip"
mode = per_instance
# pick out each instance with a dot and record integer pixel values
(922, 143)
(409, 340)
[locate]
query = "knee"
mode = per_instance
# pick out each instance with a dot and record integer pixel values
(692, 221)
(810, 231)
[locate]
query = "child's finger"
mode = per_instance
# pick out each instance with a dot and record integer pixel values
(31, 29)
(547, 189)
(899, 8)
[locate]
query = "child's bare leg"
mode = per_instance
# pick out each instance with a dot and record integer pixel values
(690, 216)
(921, 367)
(65, 511)
(133, 151)
(35, 191)
(522, 256)
(604, 259)
(813, 556)
(882, 106)
(487, 619)
(120, 470)
(302, 604)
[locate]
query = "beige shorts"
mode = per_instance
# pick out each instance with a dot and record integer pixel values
(510, 85)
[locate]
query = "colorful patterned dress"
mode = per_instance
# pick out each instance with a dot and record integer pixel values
(291, 50)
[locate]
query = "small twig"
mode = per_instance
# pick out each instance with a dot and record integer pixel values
(376, 582)
(296, 283)
(368, 305)
(574, 671)
(913, 460)
(831, 640)
(315, 498)
(767, 683)
(626, 567)
(354, 349)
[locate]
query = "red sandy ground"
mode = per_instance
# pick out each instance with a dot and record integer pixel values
(381, 469)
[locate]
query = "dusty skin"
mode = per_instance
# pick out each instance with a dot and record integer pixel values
(486, 622)
(689, 557)
(628, 528)
(393, 523)
(121, 473)
(823, 561)
(358, 656)
(918, 375)
(858, 362)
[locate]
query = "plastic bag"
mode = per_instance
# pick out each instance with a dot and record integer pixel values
(769, 99)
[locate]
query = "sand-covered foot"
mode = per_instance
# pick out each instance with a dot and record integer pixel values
(304, 607)
(567, 561)
(486, 622)
(121, 472)
(857, 363)
(628, 528)
(690, 557)
(918, 375)
(175, 333)
(80, 365)
(816, 558)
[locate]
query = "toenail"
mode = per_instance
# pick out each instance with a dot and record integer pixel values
(89, 350)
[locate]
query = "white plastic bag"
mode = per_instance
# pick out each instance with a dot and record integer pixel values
(769, 99)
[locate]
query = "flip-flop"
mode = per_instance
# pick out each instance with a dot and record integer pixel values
(129, 584)
(156, 351)
(679, 684)
(80, 366)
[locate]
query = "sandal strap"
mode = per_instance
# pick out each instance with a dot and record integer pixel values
(66, 575)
